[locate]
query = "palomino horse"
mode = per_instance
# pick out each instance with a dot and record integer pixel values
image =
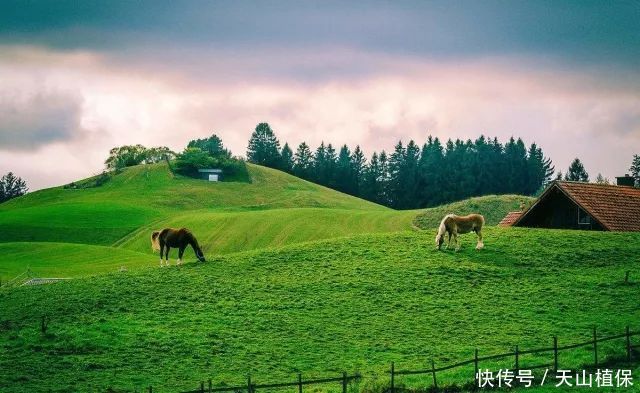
(179, 238)
(455, 225)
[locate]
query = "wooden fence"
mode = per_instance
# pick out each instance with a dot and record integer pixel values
(344, 379)
(251, 387)
(517, 353)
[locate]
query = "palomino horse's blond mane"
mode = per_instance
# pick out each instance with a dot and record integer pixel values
(455, 225)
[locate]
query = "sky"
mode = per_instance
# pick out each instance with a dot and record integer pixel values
(78, 78)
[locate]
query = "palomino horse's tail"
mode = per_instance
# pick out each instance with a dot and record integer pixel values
(155, 243)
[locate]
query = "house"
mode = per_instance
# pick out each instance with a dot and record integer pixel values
(210, 174)
(509, 219)
(577, 205)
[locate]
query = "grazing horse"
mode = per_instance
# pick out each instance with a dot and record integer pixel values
(180, 238)
(455, 225)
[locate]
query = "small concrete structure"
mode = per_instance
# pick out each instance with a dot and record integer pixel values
(210, 174)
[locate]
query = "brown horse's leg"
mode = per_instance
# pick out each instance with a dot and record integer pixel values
(166, 254)
(448, 241)
(161, 250)
(180, 254)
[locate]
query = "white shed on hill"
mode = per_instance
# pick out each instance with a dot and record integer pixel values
(211, 174)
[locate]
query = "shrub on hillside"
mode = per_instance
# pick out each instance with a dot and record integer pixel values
(95, 181)
(188, 162)
(130, 155)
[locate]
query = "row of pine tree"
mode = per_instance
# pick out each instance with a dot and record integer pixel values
(411, 176)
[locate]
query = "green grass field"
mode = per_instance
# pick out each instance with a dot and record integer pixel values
(320, 308)
(299, 278)
(274, 210)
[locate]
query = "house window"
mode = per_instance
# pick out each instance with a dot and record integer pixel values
(583, 217)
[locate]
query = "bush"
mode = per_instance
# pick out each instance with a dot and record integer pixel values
(193, 158)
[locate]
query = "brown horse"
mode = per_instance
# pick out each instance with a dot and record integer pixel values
(455, 225)
(179, 238)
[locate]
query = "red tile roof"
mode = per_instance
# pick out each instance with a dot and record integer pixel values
(617, 208)
(509, 219)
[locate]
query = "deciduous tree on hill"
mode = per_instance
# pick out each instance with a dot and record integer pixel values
(212, 145)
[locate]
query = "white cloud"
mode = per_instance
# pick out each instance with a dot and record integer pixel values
(568, 113)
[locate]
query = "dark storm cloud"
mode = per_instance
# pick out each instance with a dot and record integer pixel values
(36, 120)
(577, 31)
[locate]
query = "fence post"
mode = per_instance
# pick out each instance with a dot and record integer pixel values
(555, 353)
(595, 347)
(210, 386)
(299, 382)
(517, 360)
(433, 371)
(393, 372)
(628, 344)
(475, 365)
(344, 382)
(201, 386)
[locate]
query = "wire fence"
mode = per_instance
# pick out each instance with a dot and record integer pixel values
(432, 372)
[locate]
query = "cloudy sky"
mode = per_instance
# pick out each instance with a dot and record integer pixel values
(77, 78)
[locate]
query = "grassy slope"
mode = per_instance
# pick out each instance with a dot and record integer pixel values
(226, 232)
(146, 193)
(46, 259)
(274, 210)
(321, 307)
(493, 207)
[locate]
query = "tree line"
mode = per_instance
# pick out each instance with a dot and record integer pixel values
(412, 176)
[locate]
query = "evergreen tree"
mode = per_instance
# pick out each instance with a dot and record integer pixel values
(430, 173)
(344, 179)
(264, 147)
(11, 187)
(540, 169)
(576, 172)
(385, 199)
(371, 186)
(319, 165)
(396, 171)
(516, 160)
(303, 162)
(409, 176)
(601, 179)
(358, 163)
(286, 158)
(414, 177)
(635, 169)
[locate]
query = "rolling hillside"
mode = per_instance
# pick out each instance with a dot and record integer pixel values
(274, 210)
(142, 194)
(493, 207)
(322, 307)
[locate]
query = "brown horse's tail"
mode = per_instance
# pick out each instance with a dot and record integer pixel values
(155, 242)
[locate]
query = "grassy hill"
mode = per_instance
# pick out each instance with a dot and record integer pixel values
(142, 194)
(492, 207)
(274, 210)
(353, 304)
